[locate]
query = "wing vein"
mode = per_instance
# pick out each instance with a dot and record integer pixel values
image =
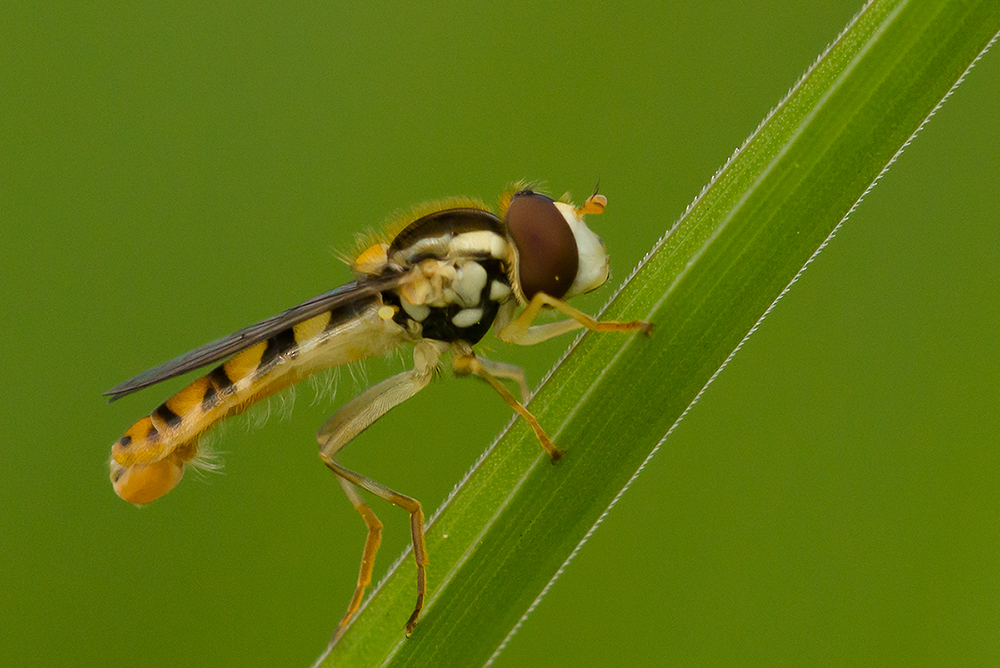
(255, 333)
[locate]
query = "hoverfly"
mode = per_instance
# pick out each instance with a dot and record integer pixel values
(453, 273)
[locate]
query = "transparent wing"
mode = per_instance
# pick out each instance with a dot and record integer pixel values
(248, 336)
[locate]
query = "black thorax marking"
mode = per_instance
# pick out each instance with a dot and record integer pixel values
(450, 323)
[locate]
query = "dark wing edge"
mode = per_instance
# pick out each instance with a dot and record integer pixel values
(248, 336)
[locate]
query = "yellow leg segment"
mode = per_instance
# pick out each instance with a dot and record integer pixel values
(521, 332)
(353, 418)
(372, 543)
(466, 363)
(410, 505)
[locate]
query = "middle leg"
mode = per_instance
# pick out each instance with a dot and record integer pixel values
(464, 363)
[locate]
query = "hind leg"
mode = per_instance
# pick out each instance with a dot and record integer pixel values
(352, 419)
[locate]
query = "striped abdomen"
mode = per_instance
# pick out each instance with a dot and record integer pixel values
(148, 461)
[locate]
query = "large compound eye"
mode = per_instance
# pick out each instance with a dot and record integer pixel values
(547, 254)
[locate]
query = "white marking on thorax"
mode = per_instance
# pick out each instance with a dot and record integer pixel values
(437, 246)
(499, 291)
(441, 283)
(482, 242)
(469, 283)
(416, 311)
(467, 317)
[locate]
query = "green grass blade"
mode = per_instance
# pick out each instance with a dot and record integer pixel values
(517, 519)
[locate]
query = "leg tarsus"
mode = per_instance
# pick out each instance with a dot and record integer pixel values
(420, 556)
(409, 504)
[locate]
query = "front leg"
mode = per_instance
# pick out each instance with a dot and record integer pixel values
(521, 332)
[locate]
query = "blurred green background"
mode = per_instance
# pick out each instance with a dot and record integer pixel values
(171, 173)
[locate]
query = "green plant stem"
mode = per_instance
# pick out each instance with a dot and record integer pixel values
(517, 519)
